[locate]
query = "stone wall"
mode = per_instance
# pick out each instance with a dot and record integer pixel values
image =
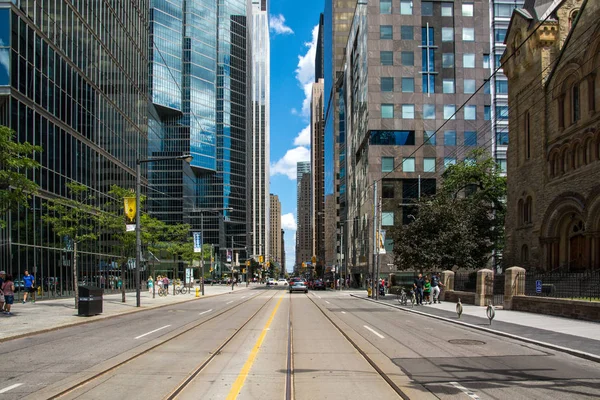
(453, 296)
(577, 309)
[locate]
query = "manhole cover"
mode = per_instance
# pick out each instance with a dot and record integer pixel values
(466, 342)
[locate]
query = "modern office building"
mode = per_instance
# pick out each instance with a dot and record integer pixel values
(500, 11)
(302, 167)
(275, 249)
(337, 21)
(317, 169)
(200, 80)
(77, 86)
(304, 231)
(260, 134)
(415, 101)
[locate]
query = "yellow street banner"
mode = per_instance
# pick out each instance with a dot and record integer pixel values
(130, 209)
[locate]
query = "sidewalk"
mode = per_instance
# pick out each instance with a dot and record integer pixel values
(49, 315)
(557, 332)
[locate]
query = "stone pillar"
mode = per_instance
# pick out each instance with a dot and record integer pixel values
(485, 287)
(514, 285)
(448, 282)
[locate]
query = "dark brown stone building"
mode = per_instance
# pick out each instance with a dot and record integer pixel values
(553, 219)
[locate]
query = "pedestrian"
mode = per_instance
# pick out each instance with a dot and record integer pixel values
(166, 284)
(8, 289)
(159, 282)
(427, 290)
(418, 285)
(29, 281)
(150, 284)
(2, 278)
(435, 288)
(232, 283)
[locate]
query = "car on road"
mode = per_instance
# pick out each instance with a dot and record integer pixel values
(298, 287)
(318, 285)
(271, 282)
(282, 281)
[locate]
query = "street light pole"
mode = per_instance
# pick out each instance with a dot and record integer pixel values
(138, 212)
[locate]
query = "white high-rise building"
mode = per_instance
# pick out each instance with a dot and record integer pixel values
(261, 97)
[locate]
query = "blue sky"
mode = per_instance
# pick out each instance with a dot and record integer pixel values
(293, 33)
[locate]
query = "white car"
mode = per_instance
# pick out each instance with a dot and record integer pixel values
(271, 281)
(282, 281)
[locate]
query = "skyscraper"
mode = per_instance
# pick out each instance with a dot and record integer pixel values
(260, 133)
(199, 87)
(275, 227)
(409, 113)
(304, 231)
(77, 87)
(317, 210)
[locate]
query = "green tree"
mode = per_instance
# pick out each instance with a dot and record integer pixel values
(16, 164)
(462, 225)
(74, 218)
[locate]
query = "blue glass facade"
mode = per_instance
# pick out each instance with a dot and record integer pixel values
(199, 92)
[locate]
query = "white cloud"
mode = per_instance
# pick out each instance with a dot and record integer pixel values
(288, 222)
(305, 72)
(277, 25)
(294, 111)
(303, 138)
(287, 164)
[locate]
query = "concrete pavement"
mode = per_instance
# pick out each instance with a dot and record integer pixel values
(47, 315)
(580, 336)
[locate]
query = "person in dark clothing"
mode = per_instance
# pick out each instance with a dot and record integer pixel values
(435, 288)
(418, 284)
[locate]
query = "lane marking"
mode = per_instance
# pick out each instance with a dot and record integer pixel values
(241, 379)
(204, 312)
(375, 332)
(317, 295)
(156, 330)
(229, 302)
(343, 312)
(465, 390)
(11, 387)
(243, 297)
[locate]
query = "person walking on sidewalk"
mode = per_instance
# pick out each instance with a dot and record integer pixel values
(427, 290)
(2, 278)
(150, 284)
(8, 288)
(418, 284)
(29, 281)
(435, 287)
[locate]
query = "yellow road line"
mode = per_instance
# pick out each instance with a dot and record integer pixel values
(241, 379)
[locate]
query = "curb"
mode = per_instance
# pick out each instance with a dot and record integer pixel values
(83, 322)
(573, 352)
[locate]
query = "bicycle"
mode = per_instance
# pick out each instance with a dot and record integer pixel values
(403, 299)
(182, 290)
(162, 291)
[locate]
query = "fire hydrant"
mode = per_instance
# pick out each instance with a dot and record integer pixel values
(197, 292)
(39, 290)
(369, 292)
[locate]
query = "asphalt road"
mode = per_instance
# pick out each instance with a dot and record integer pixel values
(262, 343)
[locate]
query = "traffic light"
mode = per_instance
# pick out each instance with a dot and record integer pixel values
(303, 265)
(261, 259)
(314, 259)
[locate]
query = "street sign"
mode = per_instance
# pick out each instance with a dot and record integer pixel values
(197, 242)
(538, 286)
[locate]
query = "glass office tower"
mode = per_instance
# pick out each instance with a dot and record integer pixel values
(73, 80)
(199, 87)
(261, 134)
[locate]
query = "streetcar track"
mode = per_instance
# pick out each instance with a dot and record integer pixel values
(373, 364)
(135, 356)
(186, 382)
(289, 378)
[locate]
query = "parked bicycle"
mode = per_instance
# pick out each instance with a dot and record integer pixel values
(403, 298)
(182, 290)
(162, 291)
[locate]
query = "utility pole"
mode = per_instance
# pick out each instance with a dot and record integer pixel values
(375, 245)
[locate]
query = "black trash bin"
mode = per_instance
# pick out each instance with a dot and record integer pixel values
(90, 301)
